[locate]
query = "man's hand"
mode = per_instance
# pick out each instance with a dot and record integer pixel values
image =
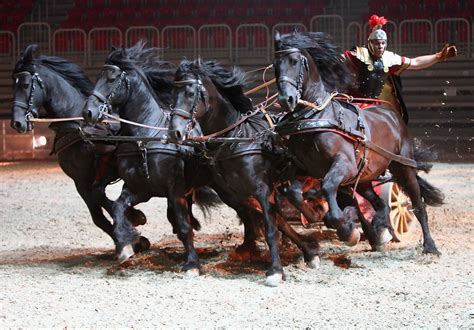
(447, 52)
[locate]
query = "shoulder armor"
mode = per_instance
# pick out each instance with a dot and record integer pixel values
(390, 59)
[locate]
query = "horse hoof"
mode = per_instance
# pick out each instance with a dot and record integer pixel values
(432, 251)
(378, 248)
(315, 263)
(142, 245)
(354, 238)
(126, 253)
(274, 280)
(192, 273)
(384, 237)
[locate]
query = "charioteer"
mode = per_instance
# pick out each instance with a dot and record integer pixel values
(377, 70)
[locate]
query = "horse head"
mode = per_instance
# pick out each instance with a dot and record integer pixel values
(307, 65)
(28, 91)
(112, 89)
(134, 84)
(53, 83)
(192, 93)
(207, 94)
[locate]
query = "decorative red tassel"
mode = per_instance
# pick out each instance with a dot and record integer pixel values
(375, 20)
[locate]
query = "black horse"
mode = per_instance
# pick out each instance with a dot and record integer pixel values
(61, 88)
(338, 142)
(244, 173)
(149, 168)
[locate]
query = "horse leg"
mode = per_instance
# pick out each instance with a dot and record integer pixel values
(89, 195)
(275, 273)
(178, 206)
(406, 177)
(143, 244)
(294, 194)
(251, 221)
(128, 239)
(310, 249)
(343, 221)
(379, 232)
(194, 222)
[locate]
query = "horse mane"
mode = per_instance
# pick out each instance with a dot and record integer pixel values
(229, 83)
(69, 71)
(327, 56)
(147, 62)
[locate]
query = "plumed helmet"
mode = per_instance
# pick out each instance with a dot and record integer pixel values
(376, 24)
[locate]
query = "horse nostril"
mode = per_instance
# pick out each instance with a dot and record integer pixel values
(290, 100)
(87, 114)
(16, 125)
(175, 136)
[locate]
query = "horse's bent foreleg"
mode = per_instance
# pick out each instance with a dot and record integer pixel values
(379, 231)
(295, 195)
(339, 172)
(128, 239)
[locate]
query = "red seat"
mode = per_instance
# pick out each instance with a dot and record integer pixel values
(261, 38)
(5, 45)
(61, 43)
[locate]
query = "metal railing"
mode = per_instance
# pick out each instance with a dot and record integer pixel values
(101, 41)
(331, 24)
(409, 38)
(215, 41)
(416, 37)
(70, 44)
(7, 47)
(148, 33)
(252, 41)
(179, 41)
(34, 33)
(453, 31)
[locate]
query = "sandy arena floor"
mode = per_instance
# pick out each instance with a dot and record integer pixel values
(57, 268)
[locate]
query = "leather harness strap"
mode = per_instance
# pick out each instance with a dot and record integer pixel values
(328, 125)
(390, 155)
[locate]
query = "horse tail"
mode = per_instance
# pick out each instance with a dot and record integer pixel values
(423, 157)
(206, 198)
(431, 195)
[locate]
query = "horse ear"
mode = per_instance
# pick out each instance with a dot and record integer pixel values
(30, 53)
(113, 48)
(277, 39)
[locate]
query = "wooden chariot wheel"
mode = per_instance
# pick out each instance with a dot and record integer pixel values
(401, 213)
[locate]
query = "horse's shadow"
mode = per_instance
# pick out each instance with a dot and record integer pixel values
(218, 256)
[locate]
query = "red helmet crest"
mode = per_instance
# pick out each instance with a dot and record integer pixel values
(377, 22)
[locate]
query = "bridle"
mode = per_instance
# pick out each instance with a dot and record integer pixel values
(192, 116)
(30, 111)
(304, 66)
(106, 107)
